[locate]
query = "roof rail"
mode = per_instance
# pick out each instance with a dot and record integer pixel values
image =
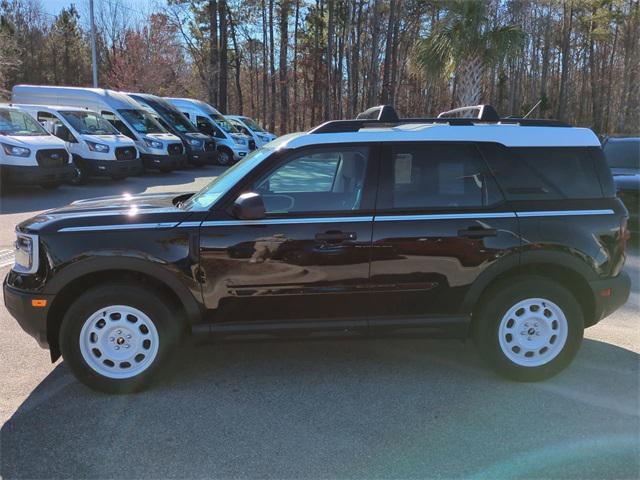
(486, 113)
(385, 115)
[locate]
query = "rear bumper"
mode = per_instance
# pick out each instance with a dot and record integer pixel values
(32, 320)
(609, 294)
(113, 168)
(203, 158)
(164, 162)
(36, 175)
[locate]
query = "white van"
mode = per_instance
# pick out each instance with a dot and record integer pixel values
(249, 126)
(97, 148)
(232, 145)
(29, 154)
(158, 148)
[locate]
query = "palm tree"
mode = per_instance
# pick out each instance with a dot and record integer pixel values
(463, 44)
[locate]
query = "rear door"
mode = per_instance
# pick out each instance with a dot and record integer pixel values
(440, 222)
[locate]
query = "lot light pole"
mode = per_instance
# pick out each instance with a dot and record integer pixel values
(94, 60)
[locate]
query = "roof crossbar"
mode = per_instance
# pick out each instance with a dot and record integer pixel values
(386, 116)
(486, 113)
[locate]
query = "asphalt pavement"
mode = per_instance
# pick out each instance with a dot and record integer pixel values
(318, 409)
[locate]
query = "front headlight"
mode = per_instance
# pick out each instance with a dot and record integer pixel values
(26, 253)
(97, 147)
(151, 143)
(15, 151)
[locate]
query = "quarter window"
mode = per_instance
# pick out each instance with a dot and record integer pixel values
(422, 176)
(316, 181)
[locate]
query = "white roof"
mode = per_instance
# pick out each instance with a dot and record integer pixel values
(509, 135)
(55, 108)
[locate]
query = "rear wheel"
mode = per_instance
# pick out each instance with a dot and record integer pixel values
(114, 337)
(529, 329)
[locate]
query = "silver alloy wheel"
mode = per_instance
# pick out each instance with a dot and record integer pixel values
(533, 332)
(119, 341)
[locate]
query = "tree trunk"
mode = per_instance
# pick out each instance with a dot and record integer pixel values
(468, 88)
(224, 63)
(272, 71)
(386, 75)
(238, 64)
(284, 92)
(567, 25)
(213, 52)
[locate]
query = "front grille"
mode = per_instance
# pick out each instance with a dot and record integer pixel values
(209, 146)
(52, 157)
(175, 149)
(126, 153)
(252, 144)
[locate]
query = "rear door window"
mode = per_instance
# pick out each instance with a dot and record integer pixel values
(423, 176)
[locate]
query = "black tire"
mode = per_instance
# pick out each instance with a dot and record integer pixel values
(82, 174)
(497, 302)
(225, 156)
(50, 185)
(166, 169)
(145, 300)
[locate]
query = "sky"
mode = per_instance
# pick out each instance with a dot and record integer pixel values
(53, 7)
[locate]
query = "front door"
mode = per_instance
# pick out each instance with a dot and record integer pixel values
(440, 222)
(307, 263)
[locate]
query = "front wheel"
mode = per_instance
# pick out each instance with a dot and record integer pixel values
(114, 337)
(225, 156)
(529, 329)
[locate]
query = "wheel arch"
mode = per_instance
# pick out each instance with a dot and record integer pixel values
(67, 285)
(572, 272)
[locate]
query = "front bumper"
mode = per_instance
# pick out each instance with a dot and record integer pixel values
(33, 320)
(240, 154)
(164, 162)
(36, 175)
(609, 294)
(203, 158)
(113, 168)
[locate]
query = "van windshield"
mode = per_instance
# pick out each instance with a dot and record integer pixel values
(223, 123)
(174, 118)
(142, 122)
(252, 124)
(19, 124)
(89, 123)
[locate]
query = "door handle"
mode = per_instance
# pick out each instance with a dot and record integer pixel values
(335, 236)
(478, 232)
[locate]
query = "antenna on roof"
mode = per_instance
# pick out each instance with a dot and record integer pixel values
(486, 113)
(533, 109)
(381, 113)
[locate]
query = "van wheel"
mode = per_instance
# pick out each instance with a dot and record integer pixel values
(82, 175)
(225, 156)
(528, 329)
(114, 337)
(50, 185)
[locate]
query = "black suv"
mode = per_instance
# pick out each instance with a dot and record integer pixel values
(504, 230)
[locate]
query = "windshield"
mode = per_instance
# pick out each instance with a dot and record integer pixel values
(623, 154)
(142, 122)
(206, 197)
(223, 123)
(171, 116)
(253, 125)
(19, 124)
(89, 123)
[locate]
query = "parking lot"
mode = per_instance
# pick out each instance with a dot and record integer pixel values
(321, 409)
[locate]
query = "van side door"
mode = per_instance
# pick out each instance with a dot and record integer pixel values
(440, 222)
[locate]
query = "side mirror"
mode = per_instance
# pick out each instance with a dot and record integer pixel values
(249, 206)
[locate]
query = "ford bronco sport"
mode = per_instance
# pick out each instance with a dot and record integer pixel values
(507, 231)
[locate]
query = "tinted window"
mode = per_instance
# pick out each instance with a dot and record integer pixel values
(118, 124)
(423, 176)
(316, 181)
(544, 173)
(623, 153)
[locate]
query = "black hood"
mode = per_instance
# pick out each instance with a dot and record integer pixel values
(106, 211)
